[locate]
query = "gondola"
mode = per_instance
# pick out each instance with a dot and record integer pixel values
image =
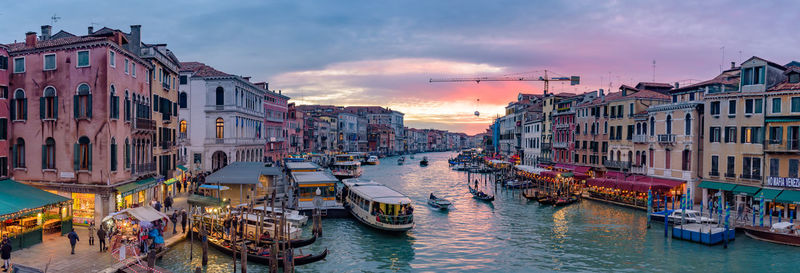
(294, 243)
(546, 200)
(438, 203)
(566, 200)
(266, 260)
(534, 195)
(480, 195)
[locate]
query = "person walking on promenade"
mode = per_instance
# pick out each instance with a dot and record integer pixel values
(184, 215)
(91, 233)
(178, 187)
(5, 253)
(101, 237)
(157, 206)
(73, 239)
(168, 203)
(174, 219)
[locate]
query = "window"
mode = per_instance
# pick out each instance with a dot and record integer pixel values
(758, 75)
(691, 96)
(182, 128)
(795, 104)
(667, 158)
(751, 167)
(674, 98)
(3, 92)
(127, 106)
(182, 99)
(774, 167)
(83, 58)
(714, 108)
(775, 135)
(793, 167)
(687, 125)
(127, 62)
(113, 154)
(731, 107)
(220, 95)
(776, 105)
(730, 134)
(19, 107)
(759, 105)
(748, 106)
(4, 166)
(112, 58)
(83, 154)
(83, 102)
(669, 124)
(612, 132)
(605, 127)
(715, 165)
(184, 79)
(3, 129)
(50, 61)
(652, 157)
(630, 132)
(19, 65)
(731, 165)
(794, 77)
(686, 161)
(620, 111)
(652, 126)
(18, 153)
(3, 65)
(49, 154)
(113, 103)
(127, 154)
(630, 109)
(48, 104)
(752, 135)
(220, 128)
(714, 134)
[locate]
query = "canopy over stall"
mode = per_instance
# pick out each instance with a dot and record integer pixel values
(17, 199)
(142, 214)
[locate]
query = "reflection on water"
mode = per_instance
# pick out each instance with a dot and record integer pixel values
(510, 235)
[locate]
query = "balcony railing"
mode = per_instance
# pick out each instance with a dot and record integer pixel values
(639, 169)
(750, 176)
(713, 173)
(666, 138)
(561, 145)
(791, 145)
(640, 139)
(144, 168)
(235, 141)
(617, 164)
(562, 125)
(546, 146)
(144, 124)
(730, 175)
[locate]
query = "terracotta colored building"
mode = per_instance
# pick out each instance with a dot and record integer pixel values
(275, 109)
(80, 120)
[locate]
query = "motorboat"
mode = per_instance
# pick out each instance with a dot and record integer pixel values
(378, 206)
(401, 160)
(346, 166)
(424, 161)
(438, 203)
(676, 216)
(372, 160)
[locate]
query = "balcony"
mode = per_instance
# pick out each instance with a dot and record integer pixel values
(281, 139)
(750, 176)
(713, 173)
(234, 141)
(613, 164)
(546, 146)
(562, 125)
(666, 139)
(141, 124)
(561, 145)
(165, 145)
(639, 169)
(143, 169)
(730, 175)
(165, 85)
(790, 146)
(273, 119)
(640, 139)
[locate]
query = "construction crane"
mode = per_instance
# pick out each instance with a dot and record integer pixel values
(573, 80)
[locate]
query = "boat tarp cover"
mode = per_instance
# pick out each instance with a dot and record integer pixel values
(788, 196)
(747, 190)
(15, 197)
(245, 173)
(717, 185)
(314, 177)
(769, 194)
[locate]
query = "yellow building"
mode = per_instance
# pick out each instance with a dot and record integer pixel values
(621, 127)
(782, 148)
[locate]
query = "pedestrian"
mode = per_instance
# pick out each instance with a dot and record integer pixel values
(174, 219)
(73, 239)
(168, 203)
(91, 233)
(5, 253)
(157, 206)
(184, 215)
(178, 185)
(101, 237)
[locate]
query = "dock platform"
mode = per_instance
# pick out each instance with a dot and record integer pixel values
(702, 233)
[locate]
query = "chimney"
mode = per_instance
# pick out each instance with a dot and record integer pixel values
(30, 39)
(677, 85)
(46, 32)
(266, 85)
(733, 65)
(91, 30)
(135, 41)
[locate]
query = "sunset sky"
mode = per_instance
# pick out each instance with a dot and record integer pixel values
(383, 53)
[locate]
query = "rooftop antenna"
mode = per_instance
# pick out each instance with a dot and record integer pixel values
(723, 59)
(654, 70)
(54, 19)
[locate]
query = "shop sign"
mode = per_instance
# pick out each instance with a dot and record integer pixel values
(787, 182)
(67, 175)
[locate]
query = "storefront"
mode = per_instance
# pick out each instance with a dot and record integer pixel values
(83, 205)
(26, 213)
(137, 193)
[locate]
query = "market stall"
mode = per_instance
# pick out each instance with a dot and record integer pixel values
(27, 212)
(135, 230)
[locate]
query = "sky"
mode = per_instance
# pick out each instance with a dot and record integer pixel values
(385, 52)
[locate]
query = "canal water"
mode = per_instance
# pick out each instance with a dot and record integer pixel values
(511, 235)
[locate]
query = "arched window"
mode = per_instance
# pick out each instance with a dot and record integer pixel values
(637, 159)
(19, 106)
(669, 124)
(652, 126)
(688, 124)
(48, 104)
(638, 128)
(644, 159)
(113, 103)
(127, 105)
(83, 154)
(18, 151)
(220, 128)
(605, 127)
(686, 163)
(630, 157)
(83, 102)
(644, 130)
(127, 154)
(619, 156)
(182, 99)
(49, 154)
(113, 154)
(220, 96)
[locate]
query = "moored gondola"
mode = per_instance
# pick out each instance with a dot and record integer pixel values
(480, 195)
(253, 256)
(565, 200)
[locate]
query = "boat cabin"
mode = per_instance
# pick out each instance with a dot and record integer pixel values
(307, 183)
(374, 202)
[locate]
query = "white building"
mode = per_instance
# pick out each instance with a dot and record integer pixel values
(348, 132)
(532, 141)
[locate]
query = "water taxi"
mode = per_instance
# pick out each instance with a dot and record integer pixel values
(378, 206)
(346, 166)
(424, 161)
(372, 160)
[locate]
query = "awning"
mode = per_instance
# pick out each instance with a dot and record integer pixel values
(213, 187)
(245, 173)
(205, 201)
(182, 168)
(564, 166)
(16, 197)
(717, 185)
(657, 181)
(582, 169)
(789, 196)
(747, 190)
(769, 194)
(137, 186)
(781, 119)
(143, 214)
(170, 181)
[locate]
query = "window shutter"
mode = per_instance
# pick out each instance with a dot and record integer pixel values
(116, 106)
(90, 156)
(55, 107)
(42, 106)
(44, 157)
(76, 152)
(89, 107)
(75, 106)
(127, 109)
(13, 110)
(24, 109)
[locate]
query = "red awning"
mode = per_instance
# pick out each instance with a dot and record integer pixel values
(582, 169)
(565, 166)
(542, 165)
(550, 173)
(661, 182)
(615, 175)
(581, 176)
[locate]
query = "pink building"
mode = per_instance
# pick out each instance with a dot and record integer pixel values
(275, 109)
(80, 120)
(294, 127)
